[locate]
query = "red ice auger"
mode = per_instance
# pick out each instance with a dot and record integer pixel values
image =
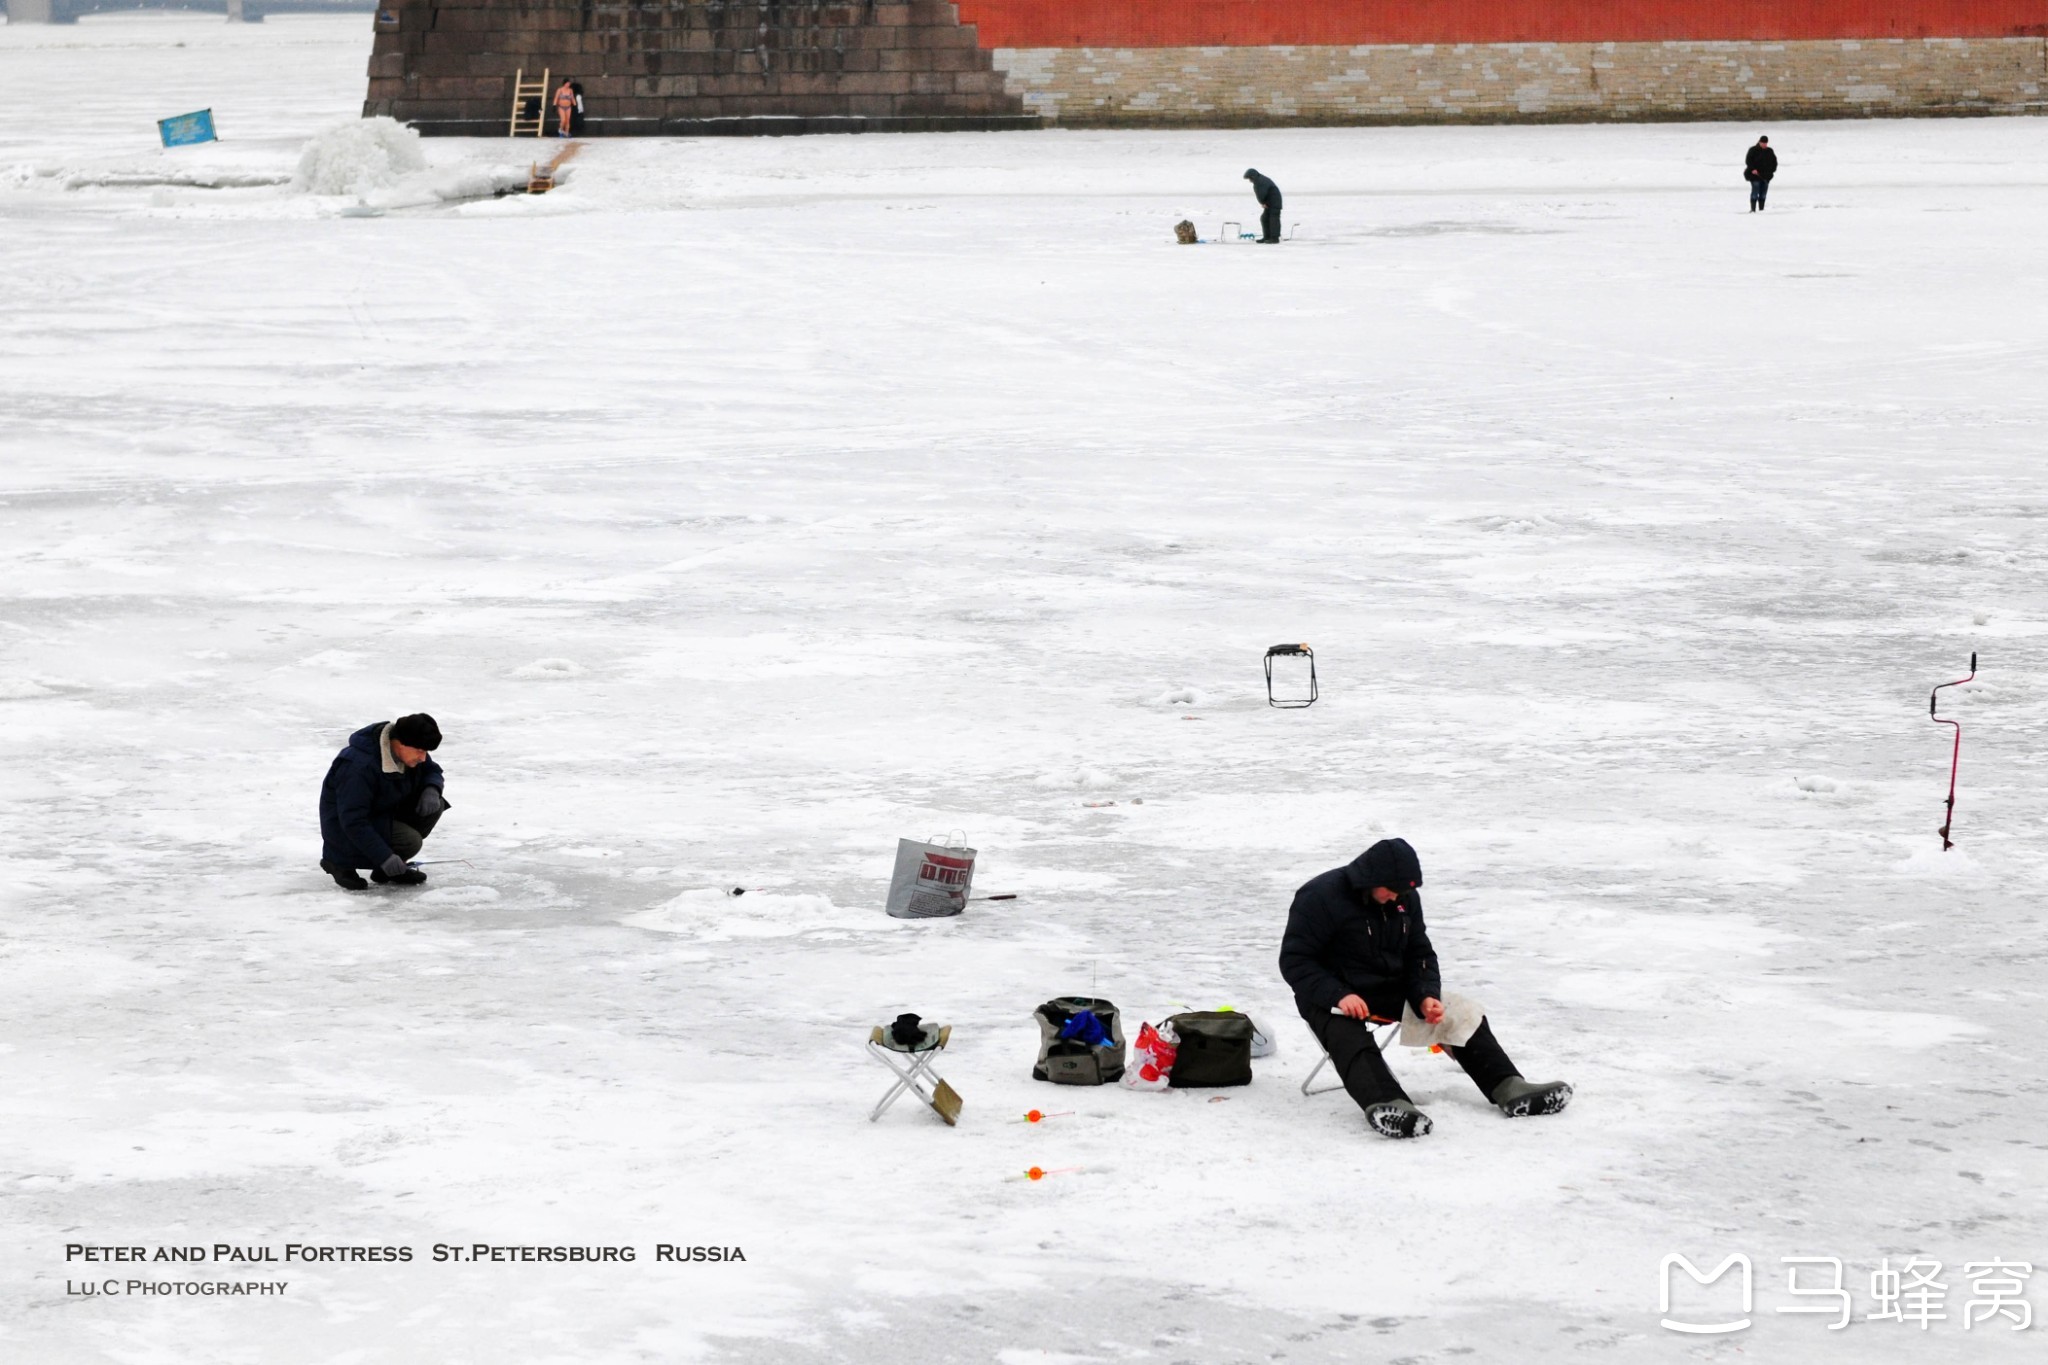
(1955, 757)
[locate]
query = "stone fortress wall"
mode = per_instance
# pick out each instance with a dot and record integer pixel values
(690, 66)
(732, 66)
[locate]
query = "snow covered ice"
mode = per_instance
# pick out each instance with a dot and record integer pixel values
(747, 504)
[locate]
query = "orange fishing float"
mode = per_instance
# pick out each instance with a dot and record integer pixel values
(1038, 1116)
(1040, 1172)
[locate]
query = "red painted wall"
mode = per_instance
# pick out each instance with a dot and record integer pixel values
(1261, 23)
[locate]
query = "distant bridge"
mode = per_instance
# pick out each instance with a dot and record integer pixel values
(244, 11)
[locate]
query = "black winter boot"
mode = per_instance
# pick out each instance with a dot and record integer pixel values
(1518, 1098)
(344, 877)
(1398, 1119)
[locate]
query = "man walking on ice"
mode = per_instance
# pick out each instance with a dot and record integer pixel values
(1758, 166)
(1268, 195)
(1356, 952)
(380, 801)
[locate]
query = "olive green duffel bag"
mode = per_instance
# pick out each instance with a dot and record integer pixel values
(1215, 1049)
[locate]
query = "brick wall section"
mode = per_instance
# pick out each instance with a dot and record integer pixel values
(1393, 23)
(651, 66)
(1501, 82)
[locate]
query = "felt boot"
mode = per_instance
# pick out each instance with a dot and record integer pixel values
(1518, 1098)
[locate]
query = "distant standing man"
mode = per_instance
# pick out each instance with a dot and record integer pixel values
(565, 106)
(1269, 199)
(1757, 168)
(380, 801)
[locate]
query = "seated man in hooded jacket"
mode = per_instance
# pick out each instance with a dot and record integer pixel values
(1356, 952)
(380, 801)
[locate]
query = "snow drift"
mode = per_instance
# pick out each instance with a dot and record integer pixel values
(360, 157)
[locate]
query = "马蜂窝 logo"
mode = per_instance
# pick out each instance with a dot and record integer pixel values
(1745, 1284)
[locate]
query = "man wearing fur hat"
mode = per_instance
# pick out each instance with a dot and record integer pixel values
(380, 801)
(1357, 953)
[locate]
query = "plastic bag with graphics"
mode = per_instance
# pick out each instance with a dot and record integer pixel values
(931, 880)
(1152, 1058)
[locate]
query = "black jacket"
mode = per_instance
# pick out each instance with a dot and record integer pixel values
(1760, 164)
(1268, 193)
(359, 800)
(1341, 942)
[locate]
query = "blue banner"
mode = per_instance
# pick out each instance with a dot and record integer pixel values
(186, 129)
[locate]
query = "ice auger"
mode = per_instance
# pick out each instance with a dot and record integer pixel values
(1955, 757)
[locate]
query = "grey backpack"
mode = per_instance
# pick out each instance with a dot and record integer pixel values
(1080, 1042)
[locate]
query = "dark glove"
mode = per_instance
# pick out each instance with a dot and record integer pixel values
(432, 803)
(398, 872)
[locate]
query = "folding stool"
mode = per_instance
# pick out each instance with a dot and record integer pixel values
(914, 1070)
(1389, 1029)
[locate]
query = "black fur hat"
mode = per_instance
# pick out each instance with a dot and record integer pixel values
(417, 731)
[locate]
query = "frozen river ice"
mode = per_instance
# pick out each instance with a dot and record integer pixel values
(747, 504)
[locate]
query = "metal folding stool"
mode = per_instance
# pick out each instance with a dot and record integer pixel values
(914, 1071)
(1291, 652)
(1389, 1030)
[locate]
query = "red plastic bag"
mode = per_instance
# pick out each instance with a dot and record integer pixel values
(1152, 1058)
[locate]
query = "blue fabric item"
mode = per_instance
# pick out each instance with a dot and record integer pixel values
(186, 129)
(359, 800)
(1084, 1027)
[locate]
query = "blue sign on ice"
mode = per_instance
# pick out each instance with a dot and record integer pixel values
(186, 129)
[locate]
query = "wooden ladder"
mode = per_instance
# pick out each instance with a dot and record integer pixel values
(522, 91)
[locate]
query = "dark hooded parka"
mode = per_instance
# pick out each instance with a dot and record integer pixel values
(366, 789)
(1340, 941)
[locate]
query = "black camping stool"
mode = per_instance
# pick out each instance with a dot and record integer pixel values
(1291, 652)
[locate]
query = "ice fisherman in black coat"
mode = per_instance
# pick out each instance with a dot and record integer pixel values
(1357, 952)
(382, 798)
(1759, 164)
(1268, 195)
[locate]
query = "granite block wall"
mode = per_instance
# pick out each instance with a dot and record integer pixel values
(1501, 82)
(678, 66)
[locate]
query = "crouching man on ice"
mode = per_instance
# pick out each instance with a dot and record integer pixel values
(380, 801)
(1356, 952)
